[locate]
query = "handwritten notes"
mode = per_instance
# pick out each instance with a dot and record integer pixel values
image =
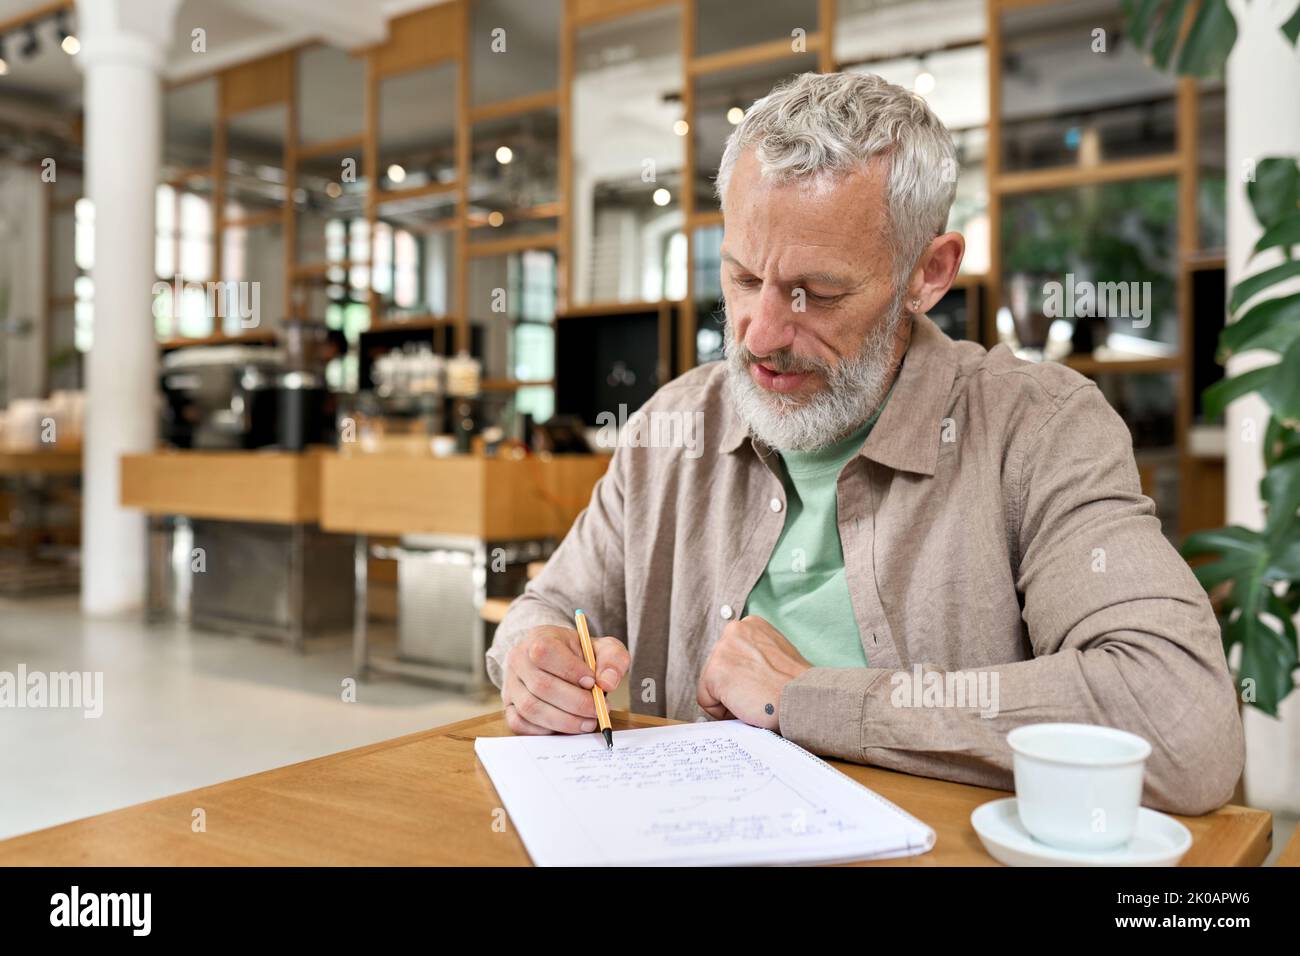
(708, 793)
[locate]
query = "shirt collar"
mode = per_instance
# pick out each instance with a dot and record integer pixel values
(906, 436)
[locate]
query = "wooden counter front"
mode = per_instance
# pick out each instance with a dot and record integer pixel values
(488, 498)
(273, 487)
(40, 462)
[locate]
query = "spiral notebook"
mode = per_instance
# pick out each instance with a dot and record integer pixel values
(717, 793)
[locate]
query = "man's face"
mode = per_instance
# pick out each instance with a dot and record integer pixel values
(807, 278)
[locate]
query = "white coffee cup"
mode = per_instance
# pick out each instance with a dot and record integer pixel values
(1078, 786)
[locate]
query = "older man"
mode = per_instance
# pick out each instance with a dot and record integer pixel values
(894, 547)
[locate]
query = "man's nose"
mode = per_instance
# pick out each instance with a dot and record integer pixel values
(771, 324)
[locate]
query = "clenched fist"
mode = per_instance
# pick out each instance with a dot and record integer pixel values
(547, 686)
(749, 667)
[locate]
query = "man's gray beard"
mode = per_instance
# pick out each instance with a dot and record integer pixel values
(853, 390)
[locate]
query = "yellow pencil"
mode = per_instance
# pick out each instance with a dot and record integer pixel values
(598, 695)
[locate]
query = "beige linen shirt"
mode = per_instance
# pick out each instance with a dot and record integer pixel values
(992, 522)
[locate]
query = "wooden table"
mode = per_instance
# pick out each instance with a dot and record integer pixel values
(424, 799)
(1290, 855)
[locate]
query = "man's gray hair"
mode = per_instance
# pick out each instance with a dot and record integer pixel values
(832, 123)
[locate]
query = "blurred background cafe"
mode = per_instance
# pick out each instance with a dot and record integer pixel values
(309, 313)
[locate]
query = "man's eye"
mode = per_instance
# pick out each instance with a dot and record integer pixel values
(745, 282)
(823, 299)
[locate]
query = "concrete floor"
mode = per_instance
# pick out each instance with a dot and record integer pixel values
(182, 709)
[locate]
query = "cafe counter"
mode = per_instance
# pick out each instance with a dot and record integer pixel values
(283, 544)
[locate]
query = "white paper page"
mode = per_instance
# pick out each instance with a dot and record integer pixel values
(719, 792)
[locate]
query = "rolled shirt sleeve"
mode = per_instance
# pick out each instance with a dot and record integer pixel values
(1121, 632)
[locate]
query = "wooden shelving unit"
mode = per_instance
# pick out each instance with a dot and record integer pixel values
(442, 37)
(1182, 165)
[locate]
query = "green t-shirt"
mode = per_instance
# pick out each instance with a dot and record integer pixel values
(803, 593)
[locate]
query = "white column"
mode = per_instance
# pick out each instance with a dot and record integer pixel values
(123, 43)
(1263, 119)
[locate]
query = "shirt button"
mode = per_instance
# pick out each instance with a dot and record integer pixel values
(775, 504)
(725, 611)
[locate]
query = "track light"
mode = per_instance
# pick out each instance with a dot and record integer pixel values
(67, 39)
(30, 43)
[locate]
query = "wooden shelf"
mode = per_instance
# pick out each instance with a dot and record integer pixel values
(518, 106)
(330, 147)
(509, 244)
(1064, 177)
(1205, 261)
(614, 308)
(545, 210)
(772, 51)
(267, 217)
(703, 220)
(512, 385)
(417, 323)
(317, 269)
(220, 338)
(414, 192)
(1087, 365)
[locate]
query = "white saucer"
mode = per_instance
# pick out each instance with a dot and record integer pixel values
(1158, 841)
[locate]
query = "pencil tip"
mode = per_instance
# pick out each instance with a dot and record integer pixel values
(609, 738)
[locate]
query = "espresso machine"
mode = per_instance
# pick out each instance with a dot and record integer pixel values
(220, 396)
(250, 396)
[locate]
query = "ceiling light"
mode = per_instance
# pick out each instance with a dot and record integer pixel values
(681, 127)
(924, 84)
(505, 154)
(30, 43)
(735, 115)
(67, 39)
(662, 197)
(495, 219)
(333, 190)
(396, 173)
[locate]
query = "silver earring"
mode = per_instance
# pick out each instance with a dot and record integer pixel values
(916, 305)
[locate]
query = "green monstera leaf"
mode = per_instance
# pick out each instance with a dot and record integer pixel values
(1157, 27)
(1257, 573)
(1254, 565)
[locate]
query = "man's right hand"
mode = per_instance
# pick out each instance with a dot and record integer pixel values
(547, 688)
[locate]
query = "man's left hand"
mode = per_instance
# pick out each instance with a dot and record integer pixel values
(749, 667)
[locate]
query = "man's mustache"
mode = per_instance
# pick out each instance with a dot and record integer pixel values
(782, 361)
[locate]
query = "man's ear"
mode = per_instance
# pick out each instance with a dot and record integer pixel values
(936, 271)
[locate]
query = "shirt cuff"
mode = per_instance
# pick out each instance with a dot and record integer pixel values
(822, 710)
(524, 614)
